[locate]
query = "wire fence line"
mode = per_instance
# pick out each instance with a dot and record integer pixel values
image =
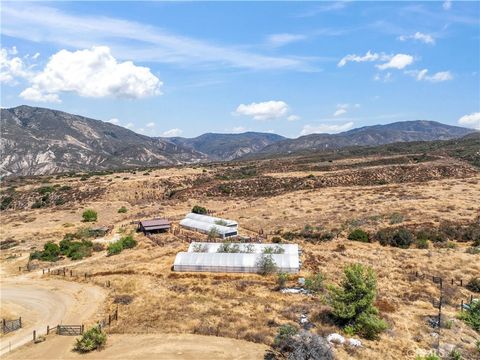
(11, 325)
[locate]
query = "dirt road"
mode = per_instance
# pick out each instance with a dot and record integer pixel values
(149, 346)
(46, 302)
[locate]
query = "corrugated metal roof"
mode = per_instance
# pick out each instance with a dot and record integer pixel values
(211, 219)
(204, 226)
(155, 222)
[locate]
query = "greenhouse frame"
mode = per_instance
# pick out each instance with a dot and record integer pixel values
(205, 227)
(256, 248)
(233, 262)
(212, 220)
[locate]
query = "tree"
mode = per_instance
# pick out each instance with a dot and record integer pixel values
(266, 265)
(352, 302)
(199, 210)
(213, 233)
(89, 215)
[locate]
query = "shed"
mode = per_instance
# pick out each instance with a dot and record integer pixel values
(212, 220)
(154, 226)
(205, 227)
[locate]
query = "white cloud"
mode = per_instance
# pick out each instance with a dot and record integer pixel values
(471, 120)
(36, 56)
(238, 129)
(91, 73)
(340, 112)
(278, 40)
(422, 75)
(426, 38)
(263, 110)
(398, 61)
(172, 132)
(131, 40)
(369, 56)
(343, 109)
(326, 128)
(293, 118)
(150, 124)
(447, 5)
(387, 77)
(114, 121)
(129, 125)
(12, 67)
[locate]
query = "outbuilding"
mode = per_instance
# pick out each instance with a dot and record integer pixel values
(206, 228)
(154, 226)
(212, 220)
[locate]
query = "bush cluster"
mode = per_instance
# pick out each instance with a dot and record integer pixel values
(199, 210)
(76, 250)
(51, 252)
(126, 242)
(266, 265)
(92, 339)
(401, 238)
(474, 284)
(358, 235)
(352, 302)
(471, 315)
(89, 215)
(122, 210)
(314, 283)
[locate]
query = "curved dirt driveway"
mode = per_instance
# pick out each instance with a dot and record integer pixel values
(46, 302)
(146, 346)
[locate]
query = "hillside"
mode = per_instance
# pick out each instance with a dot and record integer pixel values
(41, 141)
(228, 146)
(405, 131)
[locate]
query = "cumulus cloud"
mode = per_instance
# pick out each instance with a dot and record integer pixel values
(447, 5)
(238, 129)
(150, 124)
(343, 109)
(425, 38)
(264, 110)
(369, 56)
(339, 112)
(326, 128)
(114, 121)
(129, 125)
(398, 61)
(278, 40)
(422, 75)
(12, 67)
(471, 120)
(293, 118)
(172, 132)
(91, 73)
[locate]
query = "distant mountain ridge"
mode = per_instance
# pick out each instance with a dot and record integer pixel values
(228, 146)
(404, 131)
(37, 141)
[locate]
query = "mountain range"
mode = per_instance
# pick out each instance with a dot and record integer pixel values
(38, 141)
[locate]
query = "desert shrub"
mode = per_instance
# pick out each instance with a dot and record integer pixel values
(228, 247)
(59, 201)
(213, 233)
(98, 247)
(473, 250)
(122, 210)
(284, 332)
(114, 248)
(352, 302)
(421, 243)
(199, 210)
(64, 188)
(76, 250)
(89, 215)
(273, 250)
(282, 280)
(472, 233)
(358, 235)
(289, 235)
(266, 265)
(396, 218)
(474, 284)
(401, 238)
(471, 315)
(314, 234)
(276, 240)
(5, 203)
(431, 356)
(294, 345)
(38, 204)
(314, 283)
(128, 242)
(92, 339)
(200, 248)
(51, 252)
(45, 190)
(430, 234)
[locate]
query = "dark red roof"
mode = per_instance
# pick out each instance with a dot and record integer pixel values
(155, 223)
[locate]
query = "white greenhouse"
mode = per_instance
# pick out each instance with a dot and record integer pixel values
(233, 262)
(212, 220)
(205, 227)
(256, 248)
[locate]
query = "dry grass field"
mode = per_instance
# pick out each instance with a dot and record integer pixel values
(277, 197)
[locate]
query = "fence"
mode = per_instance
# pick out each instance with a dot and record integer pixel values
(108, 320)
(70, 330)
(11, 325)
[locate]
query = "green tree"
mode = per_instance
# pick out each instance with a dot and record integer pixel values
(199, 210)
(266, 265)
(89, 215)
(352, 301)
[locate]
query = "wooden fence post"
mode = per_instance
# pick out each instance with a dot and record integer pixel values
(461, 306)
(461, 282)
(34, 335)
(85, 275)
(20, 321)
(71, 273)
(48, 329)
(109, 319)
(43, 271)
(82, 329)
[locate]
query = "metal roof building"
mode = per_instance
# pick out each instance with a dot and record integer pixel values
(232, 262)
(206, 227)
(154, 225)
(255, 248)
(211, 220)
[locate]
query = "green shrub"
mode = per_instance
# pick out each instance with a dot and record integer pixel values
(358, 235)
(114, 248)
(122, 210)
(45, 190)
(59, 201)
(401, 238)
(273, 250)
(89, 215)
(199, 210)
(276, 240)
(422, 244)
(352, 302)
(228, 247)
(128, 242)
(474, 284)
(92, 339)
(285, 331)
(314, 283)
(471, 316)
(282, 280)
(396, 218)
(431, 356)
(266, 264)
(51, 252)
(5, 203)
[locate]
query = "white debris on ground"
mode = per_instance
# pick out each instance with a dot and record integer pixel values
(335, 339)
(303, 319)
(294, 291)
(340, 340)
(104, 240)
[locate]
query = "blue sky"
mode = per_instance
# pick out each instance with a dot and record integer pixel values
(168, 68)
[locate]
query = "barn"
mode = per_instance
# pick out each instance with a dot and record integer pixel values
(153, 226)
